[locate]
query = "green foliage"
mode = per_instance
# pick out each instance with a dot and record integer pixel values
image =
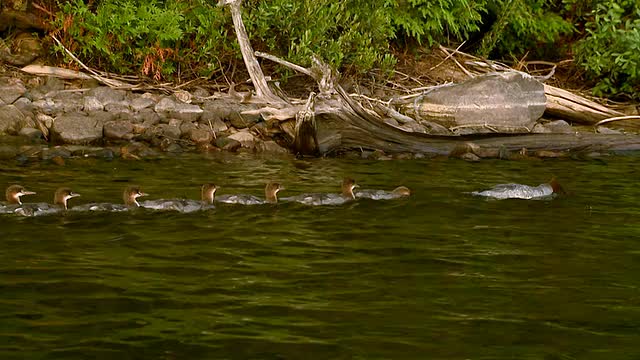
(611, 51)
(435, 20)
(522, 26)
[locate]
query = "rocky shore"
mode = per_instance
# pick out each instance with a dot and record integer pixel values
(88, 118)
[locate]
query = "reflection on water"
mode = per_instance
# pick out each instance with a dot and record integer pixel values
(442, 275)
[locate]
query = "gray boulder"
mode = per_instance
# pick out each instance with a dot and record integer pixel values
(91, 103)
(10, 119)
(118, 130)
(271, 147)
(77, 128)
(107, 95)
(12, 91)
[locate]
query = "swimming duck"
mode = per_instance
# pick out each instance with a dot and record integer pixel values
(13, 194)
(131, 195)
(207, 195)
(60, 201)
(519, 191)
(397, 193)
(348, 184)
(270, 193)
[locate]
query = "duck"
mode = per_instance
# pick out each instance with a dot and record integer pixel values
(270, 193)
(397, 193)
(347, 195)
(129, 197)
(13, 195)
(207, 196)
(520, 191)
(131, 194)
(61, 198)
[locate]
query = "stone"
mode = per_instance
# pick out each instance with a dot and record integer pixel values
(553, 127)
(45, 120)
(175, 122)
(170, 131)
(46, 106)
(24, 104)
(147, 117)
(107, 95)
(10, 119)
(470, 157)
(8, 152)
(216, 123)
(27, 121)
(216, 109)
(76, 128)
(187, 112)
(12, 91)
(245, 138)
(200, 136)
(506, 102)
(56, 151)
(225, 143)
(91, 103)
(186, 128)
(119, 130)
(166, 105)
(201, 93)
(271, 147)
(606, 130)
(141, 102)
(103, 116)
(242, 121)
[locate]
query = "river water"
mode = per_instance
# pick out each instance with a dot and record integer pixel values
(442, 275)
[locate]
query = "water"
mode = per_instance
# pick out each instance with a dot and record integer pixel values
(443, 275)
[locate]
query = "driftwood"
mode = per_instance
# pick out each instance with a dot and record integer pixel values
(566, 105)
(335, 121)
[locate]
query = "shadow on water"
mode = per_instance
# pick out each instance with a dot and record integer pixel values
(440, 275)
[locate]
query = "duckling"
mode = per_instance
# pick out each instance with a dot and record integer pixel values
(397, 193)
(519, 191)
(270, 193)
(347, 195)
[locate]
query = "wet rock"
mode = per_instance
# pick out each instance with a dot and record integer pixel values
(200, 136)
(170, 131)
(8, 152)
(12, 91)
(186, 128)
(107, 95)
(91, 152)
(118, 130)
(91, 103)
(225, 143)
(173, 148)
(271, 147)
(470, 157)
(141, 103)
(10, 119)
(245, 138)
(30, 133)
(553, 127)
(24, 104)
(52, 152)
(76, 129)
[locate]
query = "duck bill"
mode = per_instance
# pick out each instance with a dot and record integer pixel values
(27, 193)
(72, 195)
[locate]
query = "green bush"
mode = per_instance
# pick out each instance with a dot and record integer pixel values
(610, 53)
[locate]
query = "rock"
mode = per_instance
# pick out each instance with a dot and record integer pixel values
(170, 131)
(506, 102)
(46, 106)
(57, 151)
(175, 122)
(8, 152)
(12, 91)
(187, 112)
(271, 147)
(225, 143)
(549, 154)
(10, 119)
(165, 106)
(76, 129)
(119, 130)
(103, 116)
(107, 95)
(216, 109)
(24, 104)
(216, 123)
(242, 121)
(91, 152)
(91, 103)
(147, 117)
(553, 127)
(45, 120)
(200, 93)
(245, 138)
(118, 107)
(606, 130)
(30, 133)
(141, 103)
(186, 128)
(200, 136)
(470, 157)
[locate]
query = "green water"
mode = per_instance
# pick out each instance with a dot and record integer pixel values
(442, 275)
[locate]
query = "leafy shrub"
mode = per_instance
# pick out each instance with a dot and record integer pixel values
(611, 51)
